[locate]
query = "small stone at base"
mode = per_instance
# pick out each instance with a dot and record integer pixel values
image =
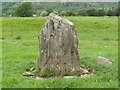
(70, 76)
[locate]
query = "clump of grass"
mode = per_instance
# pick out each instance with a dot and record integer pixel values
(117, 39)
(106, 38)
(27, 69)
(107, 27)
(2, 38)
(68, 74)
(37, 73)
(18, 37)
(90, 70)
(96, 22)
(47, 73)
(29, 65)
(79, 73)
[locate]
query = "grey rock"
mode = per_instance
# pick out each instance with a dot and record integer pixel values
(70, 77)
(58, 46)
(86, 75)
(39, 78)
(28, 73)
(102, 60)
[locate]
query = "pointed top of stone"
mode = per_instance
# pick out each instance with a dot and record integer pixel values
(53, 16)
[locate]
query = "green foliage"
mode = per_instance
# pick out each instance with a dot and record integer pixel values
(114, 12)
(110, 13)
(24, 10)
(55, 12)
(67, 13)
(90, 70)
(49, 10)
(117, 11)
(101, 12)
(92, 12)
(82, 12)
(8, 9)
(63, 13)
(43, 13)
(70, 13)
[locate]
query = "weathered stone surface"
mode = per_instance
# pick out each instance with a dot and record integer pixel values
(58, 46)
(102, 60)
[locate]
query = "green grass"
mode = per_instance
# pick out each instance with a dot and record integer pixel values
(73, 73)
(97, 37)
(46, 74)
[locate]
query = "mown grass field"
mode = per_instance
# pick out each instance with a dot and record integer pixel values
(98, 36)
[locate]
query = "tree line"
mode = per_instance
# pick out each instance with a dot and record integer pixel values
(26, 9)
(82, 12)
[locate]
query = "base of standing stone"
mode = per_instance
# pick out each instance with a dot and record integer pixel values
(84, 72)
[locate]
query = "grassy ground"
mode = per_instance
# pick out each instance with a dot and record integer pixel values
(97, 37)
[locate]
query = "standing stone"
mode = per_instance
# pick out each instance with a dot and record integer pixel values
(58, 46)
